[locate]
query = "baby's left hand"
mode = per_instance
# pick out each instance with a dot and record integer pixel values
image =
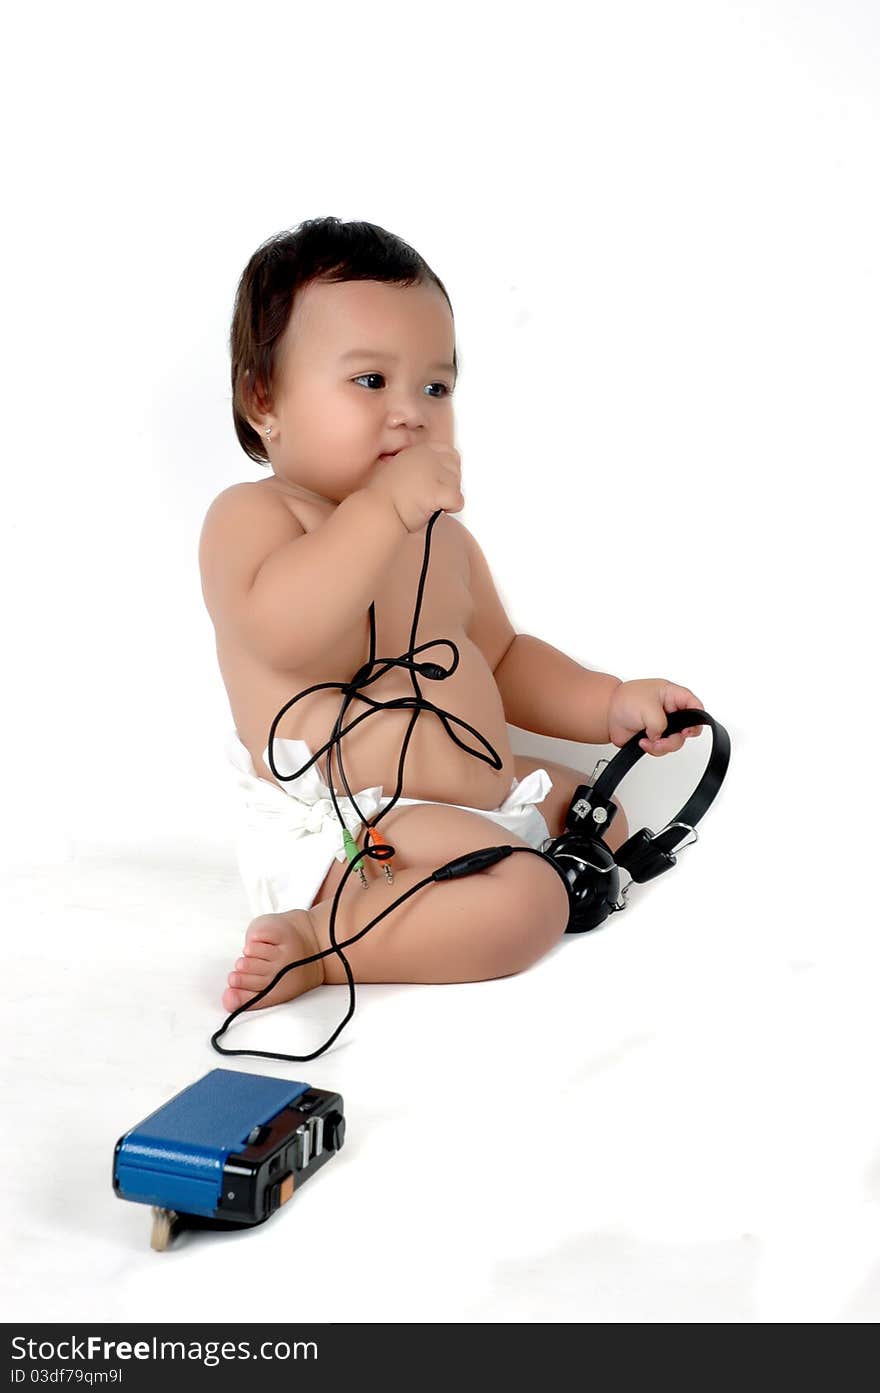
(642, 705)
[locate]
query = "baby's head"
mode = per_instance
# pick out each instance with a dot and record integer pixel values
(343, 349)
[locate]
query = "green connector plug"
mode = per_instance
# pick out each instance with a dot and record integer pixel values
(351, 851)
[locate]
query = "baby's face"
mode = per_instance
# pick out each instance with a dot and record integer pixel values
(364, 368)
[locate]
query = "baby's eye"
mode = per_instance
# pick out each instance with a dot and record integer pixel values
(446, 390)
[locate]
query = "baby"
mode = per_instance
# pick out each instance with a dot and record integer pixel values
(326, 317)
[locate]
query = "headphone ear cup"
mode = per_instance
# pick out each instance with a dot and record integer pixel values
(591, 874)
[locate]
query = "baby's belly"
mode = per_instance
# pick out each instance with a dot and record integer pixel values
(435, 767)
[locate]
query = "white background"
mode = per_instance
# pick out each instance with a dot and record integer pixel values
(658, 227)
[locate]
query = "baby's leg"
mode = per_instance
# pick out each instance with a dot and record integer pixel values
(489, 924)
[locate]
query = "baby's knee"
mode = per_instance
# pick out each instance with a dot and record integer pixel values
(535, 910)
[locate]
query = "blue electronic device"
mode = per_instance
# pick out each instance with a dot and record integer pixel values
(227, 1151)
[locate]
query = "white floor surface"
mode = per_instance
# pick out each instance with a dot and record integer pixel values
(669, 1119)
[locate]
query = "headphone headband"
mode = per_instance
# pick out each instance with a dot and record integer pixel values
(645, 855)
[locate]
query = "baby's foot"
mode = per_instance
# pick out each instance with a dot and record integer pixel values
(271, 942)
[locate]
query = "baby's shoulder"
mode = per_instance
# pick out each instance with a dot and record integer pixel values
(248, 493)
(243, 524)
(248, 505)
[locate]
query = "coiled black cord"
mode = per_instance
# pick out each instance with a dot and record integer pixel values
(462, 865)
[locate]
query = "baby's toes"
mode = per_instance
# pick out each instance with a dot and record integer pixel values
(252, 974)
(273, 942)
(254, 948)
(249, 964)
(233, 998)
(266, 929)
(248, 977)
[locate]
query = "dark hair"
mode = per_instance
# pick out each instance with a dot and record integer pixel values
(324, 249)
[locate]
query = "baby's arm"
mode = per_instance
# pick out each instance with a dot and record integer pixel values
(286, 594)
(541, 689)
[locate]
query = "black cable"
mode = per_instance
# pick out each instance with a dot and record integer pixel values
(453, 870)
(462, 865)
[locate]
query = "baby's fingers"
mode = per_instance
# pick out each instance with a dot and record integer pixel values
(664, 746)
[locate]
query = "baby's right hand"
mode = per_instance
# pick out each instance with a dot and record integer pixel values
(419, 481)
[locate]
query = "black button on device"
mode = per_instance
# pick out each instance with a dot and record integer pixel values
(334, 1131)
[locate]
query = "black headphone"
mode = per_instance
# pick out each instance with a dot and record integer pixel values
(579, 856)
(587, 865)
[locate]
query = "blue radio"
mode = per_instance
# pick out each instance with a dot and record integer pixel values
(227, 1152)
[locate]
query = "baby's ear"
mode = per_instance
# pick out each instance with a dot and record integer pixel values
(255, 397)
